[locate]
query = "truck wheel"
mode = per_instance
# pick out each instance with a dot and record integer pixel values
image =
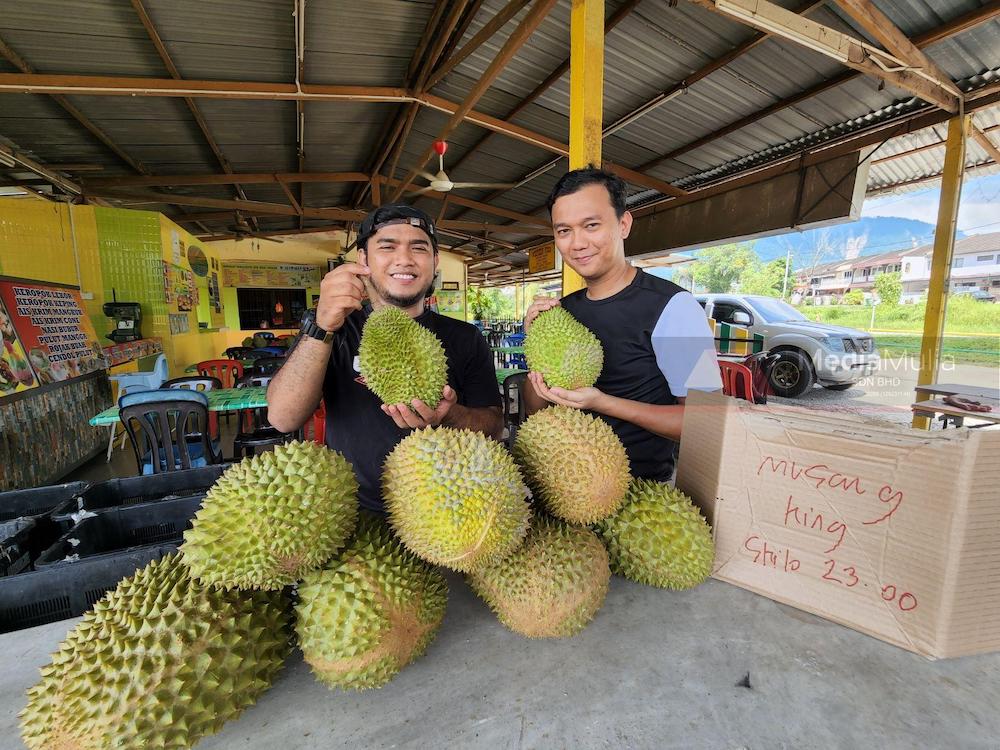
(791, 374)
(839, 386)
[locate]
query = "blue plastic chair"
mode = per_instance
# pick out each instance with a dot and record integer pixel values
(130, 382)
(150, 379)
(170, 424)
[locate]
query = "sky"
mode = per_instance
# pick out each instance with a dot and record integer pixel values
(978, 213)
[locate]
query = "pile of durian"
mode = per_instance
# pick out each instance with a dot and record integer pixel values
(280, 554)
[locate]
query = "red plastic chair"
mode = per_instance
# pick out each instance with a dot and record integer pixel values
(318, 423)
(228, 371)
(737, 380)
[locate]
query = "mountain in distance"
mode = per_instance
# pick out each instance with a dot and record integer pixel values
(871, 235)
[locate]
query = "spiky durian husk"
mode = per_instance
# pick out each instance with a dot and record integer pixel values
(565, 351)
(401, 360)
(369, 612)
(659, 537)
(552, 586)
(455, 497)
(574, 463)
(273, 517)
(159, 662)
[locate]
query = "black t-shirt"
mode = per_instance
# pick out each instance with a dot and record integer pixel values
(657, 345)
(356, 425)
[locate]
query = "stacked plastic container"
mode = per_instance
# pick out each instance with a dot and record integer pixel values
(63, 547)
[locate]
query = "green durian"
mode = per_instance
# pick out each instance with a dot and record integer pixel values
(552, 586)
(659, 537)
(159, 662)
(273, 517)
(574, 463)
(455, 497)
(370, 612)
(564, 351)
(401, 360)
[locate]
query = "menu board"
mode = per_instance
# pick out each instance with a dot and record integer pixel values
(280, 275)
(47, 336)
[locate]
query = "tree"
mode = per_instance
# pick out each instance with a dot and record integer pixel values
(763, 279)
(717, 268)
(889, 288)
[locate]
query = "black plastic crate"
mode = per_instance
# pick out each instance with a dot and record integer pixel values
(33, 502)
(116, 493)
(63, 591)
(15, 555)
(110, 532)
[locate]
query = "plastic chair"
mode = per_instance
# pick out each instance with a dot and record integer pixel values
(514, 410)
(239, 352)
(131, 382)
(228, 371)
(255, 431)
(199, 383)
(273, 351)
(737, 380)
(167, 430)
(267, 366)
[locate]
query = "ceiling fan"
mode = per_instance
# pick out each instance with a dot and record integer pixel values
(241, 229)
(441, 183)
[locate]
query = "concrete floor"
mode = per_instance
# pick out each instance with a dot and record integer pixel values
(888, 393)
(655, 669)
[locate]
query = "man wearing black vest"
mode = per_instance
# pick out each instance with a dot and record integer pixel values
(397, 260)
(657, 341)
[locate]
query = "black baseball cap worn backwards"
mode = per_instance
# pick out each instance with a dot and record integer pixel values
(395, 213)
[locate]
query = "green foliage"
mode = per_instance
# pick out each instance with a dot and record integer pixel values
(889, 288)
(964, 315)
(855, 297)
(489, 304)
(718, 268)
(763, 279)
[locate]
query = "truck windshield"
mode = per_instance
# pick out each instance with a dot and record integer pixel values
(775, 311)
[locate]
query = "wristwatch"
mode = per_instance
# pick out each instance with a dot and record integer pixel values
(310, 329)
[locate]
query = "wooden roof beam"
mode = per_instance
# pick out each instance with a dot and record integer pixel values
(490, 28)
(853, 53)
(199, 119)
(20, 160)
(957, 25)
(886, 33)
(514, 42)
(246, 178)
(21, 64)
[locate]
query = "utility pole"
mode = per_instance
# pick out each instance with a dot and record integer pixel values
(788, 260)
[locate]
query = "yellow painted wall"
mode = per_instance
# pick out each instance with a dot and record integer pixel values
(36, 242)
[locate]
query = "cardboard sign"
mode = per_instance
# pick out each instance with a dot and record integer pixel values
(52, 329)
(892, 531)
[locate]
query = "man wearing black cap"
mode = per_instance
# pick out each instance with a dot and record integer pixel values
(397, 261)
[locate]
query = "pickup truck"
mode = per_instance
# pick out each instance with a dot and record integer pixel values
(808, 352)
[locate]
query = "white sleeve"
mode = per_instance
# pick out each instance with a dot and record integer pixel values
(685, 347)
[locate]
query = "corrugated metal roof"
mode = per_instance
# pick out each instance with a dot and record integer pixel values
(371, 43)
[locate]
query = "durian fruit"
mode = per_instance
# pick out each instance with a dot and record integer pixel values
(659, 537)
(552, 586)
(248, 342)
(273, 517)
(574, 462)
(159, 662)
(564, 351)
(401, 360)
(455, 497)
(370, 612)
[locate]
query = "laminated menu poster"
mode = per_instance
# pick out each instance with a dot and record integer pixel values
(47, 336)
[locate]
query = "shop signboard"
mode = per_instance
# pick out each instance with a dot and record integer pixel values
(47, 335)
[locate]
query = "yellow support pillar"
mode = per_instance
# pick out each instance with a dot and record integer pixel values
(586, 104)
(944, 245)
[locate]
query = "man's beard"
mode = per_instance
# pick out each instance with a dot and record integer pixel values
(395, 301)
